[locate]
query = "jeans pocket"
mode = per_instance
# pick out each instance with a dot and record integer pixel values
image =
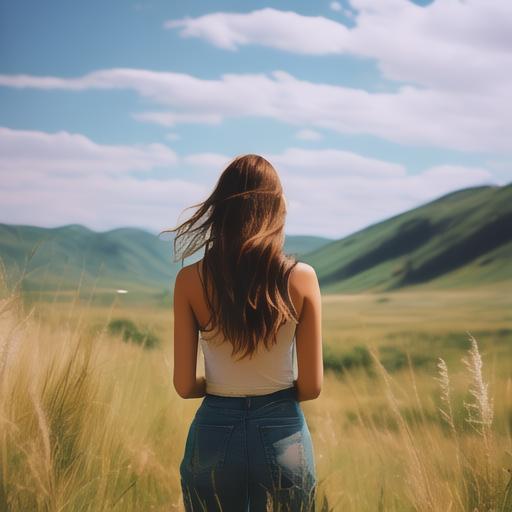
(209, 447)
(285, 454)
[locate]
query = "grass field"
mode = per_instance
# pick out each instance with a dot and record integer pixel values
(89, 422)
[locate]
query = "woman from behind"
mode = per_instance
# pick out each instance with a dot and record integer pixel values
(256, 313)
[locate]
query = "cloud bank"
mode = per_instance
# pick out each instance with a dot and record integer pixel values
(331, 192)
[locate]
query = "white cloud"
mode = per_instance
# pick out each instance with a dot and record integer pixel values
(174, 118)
(283, 30)
(51, 179)
(64, 152)
(335, 6)
(456, 56)
(447, 44)
(330, 192)
(326, 163)
(459, 120)
(342, 204)
(100, 202)
(307, 134)
(334, 193)
(207, 160)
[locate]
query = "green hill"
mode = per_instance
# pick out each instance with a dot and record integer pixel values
(122, 258)
(125, 258)
(464, 238)
(461, 239)
(301, 244)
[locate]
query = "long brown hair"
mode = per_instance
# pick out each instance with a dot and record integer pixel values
(241, 226)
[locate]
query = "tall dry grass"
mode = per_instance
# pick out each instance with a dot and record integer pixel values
(86, 421)
(90, 423)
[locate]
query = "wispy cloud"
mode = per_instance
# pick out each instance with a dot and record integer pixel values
(338, 7)
(283, 30)
(415, 116)
(334, 162)
(308, 134)
(455, 56)
(72, 153)
(213, 161)
(445, 45)
(174, 118)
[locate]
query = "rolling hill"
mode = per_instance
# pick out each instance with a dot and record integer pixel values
(124, 258)
(461, 239)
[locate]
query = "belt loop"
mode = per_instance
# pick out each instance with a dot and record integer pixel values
(248, 402)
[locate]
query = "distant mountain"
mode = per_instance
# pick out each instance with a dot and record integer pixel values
(124, 258)
(464, 238)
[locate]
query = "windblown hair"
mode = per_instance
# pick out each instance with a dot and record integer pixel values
(245, 271)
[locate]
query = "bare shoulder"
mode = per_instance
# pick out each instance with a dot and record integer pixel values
(303, 285)
(186, 275)
(303, 276)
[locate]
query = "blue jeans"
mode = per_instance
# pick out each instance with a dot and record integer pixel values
(243, 453)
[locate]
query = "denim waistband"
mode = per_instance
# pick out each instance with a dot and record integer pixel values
(249, 402)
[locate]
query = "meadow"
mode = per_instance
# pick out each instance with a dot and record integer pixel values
(415, 412)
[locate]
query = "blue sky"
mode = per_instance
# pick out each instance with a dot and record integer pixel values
(124, 113)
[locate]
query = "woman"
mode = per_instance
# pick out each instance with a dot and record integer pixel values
(249, 446)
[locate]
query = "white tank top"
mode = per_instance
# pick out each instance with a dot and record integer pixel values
(267, 371)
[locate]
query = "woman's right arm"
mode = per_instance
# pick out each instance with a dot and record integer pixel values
(308, 335)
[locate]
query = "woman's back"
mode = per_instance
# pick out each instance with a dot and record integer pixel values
(290, 360)
(265, 372)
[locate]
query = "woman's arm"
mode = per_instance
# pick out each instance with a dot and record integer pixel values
(308, 336)
(185, 381)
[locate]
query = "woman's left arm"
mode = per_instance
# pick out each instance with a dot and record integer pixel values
(185, 381)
